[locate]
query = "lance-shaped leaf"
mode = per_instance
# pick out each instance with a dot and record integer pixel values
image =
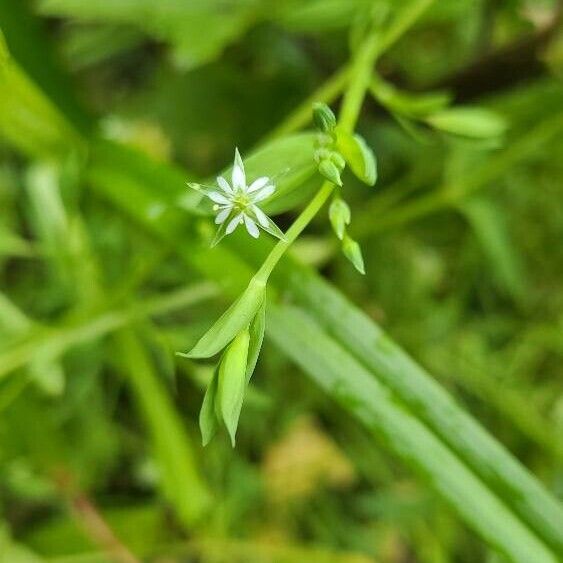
(358, 155)
(237, 317)
(232, 381)
(257, 328)
(208, 422)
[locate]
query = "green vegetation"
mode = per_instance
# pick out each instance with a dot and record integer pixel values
(381, 382)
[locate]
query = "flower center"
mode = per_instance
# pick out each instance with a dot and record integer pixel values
(241, 201)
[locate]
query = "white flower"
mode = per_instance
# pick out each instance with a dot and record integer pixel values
(236, 203)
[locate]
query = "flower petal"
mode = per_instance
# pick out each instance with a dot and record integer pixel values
(234, 223)
(264, 193)
(223, 214)
(224, 185)
(258, 183)
(260, 215)
(251, 227)
(218, 198)
(238, 177)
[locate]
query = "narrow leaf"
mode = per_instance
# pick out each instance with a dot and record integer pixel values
(230, 323)
(208, 422)
(257, 328)
(232, 381)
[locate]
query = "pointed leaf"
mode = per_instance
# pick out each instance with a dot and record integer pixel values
(358, 155)
(230, 323)
(257, 328)
(208, 422)
(232, 381)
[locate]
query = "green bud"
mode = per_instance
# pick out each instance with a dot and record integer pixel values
(232, 381)
(325, 139)
(338, 159)
(321, 154)
(323, 117)
(339, 215)
(330, 171)
(353, 252)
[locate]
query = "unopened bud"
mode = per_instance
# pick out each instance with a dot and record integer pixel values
(323, 117)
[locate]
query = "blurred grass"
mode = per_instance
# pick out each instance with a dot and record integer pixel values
(469, 285)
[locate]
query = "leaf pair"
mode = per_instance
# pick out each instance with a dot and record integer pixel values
(240, 332)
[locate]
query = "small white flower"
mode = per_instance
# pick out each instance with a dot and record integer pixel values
(236, 203)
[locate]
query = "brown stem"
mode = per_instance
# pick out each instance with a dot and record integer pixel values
(86, 514)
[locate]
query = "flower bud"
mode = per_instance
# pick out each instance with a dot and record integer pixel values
(339, 215)
(353, 252)
(330, 171)
(323, 117)
(338, 160)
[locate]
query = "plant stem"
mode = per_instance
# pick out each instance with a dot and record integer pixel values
(294, 231)
(361, 73)
(327, 93)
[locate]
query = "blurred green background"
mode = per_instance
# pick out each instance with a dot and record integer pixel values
(100, 456)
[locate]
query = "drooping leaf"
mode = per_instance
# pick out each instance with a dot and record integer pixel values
(208, 422)
(257, 328)
(232, 381)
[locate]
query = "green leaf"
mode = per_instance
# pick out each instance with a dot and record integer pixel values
(385, 416)
(174, 452)
(473, 122)
(257, 328)
(237, 317)
(358, 155)
(407, 104)
(339, 214)
(353, 252)
(208, 422)
(232, 381)
(198, 32)
(490, 226)
(27, 117)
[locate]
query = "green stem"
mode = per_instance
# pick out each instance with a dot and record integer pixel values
(294, 231)
(327, 93)
(352, 104)
(361, 73)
